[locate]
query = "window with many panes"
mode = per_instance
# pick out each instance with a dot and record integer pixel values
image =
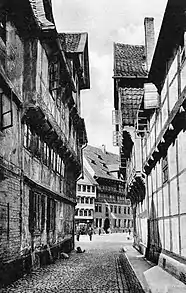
(54, 78)
(165, 169)
(36, 211)
(87, 200)
(6, 112)
(115, 209)
(84, 188)
(42, 151)
(119, 210)
(88, 188)
(82, 199)
(85, 213)
(91, 200)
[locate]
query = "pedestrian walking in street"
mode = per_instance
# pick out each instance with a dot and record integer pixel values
(78, 233)
(90, 232)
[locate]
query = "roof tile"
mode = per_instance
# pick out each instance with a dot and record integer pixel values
(129, 60)
(100, 161)
(73, 42)
(130, 101)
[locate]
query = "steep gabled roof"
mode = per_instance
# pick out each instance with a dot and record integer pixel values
(129, 60)
(87, 176)
(73, 42)
(100, 161)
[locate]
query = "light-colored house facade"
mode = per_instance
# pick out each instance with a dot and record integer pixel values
(85, 196)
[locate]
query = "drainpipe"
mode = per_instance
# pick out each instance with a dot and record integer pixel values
(82, 171)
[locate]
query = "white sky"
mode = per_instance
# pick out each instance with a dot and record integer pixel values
(106, 21)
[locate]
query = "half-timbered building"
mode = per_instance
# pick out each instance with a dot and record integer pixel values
(41, 135)
(152, 111)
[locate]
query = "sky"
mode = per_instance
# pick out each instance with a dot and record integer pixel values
(106, 22)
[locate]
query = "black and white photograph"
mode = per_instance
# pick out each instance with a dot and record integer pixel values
(93, 146)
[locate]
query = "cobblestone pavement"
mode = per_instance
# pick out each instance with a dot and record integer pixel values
(99, 269)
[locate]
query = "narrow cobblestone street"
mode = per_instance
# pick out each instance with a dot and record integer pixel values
(99, 269)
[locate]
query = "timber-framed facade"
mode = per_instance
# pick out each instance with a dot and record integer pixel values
(42, 134)
(159, 131)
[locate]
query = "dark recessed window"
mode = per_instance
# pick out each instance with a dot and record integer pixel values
(165, 169)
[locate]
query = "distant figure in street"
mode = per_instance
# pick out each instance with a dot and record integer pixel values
(129, 231)
(99, 231)
(90, 232)
(78, 233)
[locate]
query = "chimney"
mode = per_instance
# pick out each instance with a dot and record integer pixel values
(149, 39)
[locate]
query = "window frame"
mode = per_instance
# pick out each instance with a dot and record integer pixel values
(6, 112)
(54, 78)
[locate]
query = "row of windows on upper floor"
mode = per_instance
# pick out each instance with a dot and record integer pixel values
(113, 209)
(112, 197)
(41, 150)
(86, 188)
(117, 187)
(84, 213)
(86, 200)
